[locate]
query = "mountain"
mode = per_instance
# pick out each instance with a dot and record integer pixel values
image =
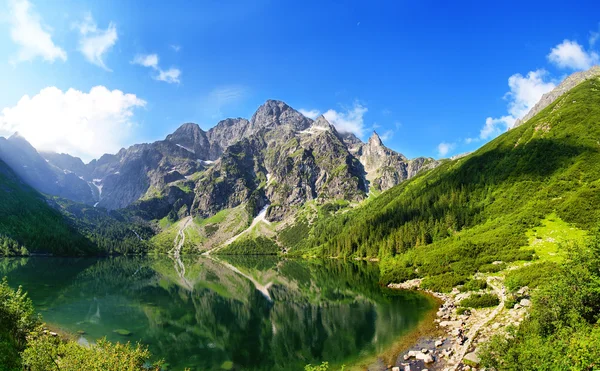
(386, 168)
(446, 224)
(30, 222)
(29, 165)
(279, 158)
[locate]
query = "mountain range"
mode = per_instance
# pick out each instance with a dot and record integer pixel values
(308, 187)
(278, 161)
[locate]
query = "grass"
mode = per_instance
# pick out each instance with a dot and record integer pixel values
(553, 232)
(215, 219)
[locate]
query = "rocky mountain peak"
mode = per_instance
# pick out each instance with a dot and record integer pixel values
(186, 131)
(321, 123)
(275, 112)
(375, 140)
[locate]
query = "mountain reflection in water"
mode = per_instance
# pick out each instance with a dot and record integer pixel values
(250, 313)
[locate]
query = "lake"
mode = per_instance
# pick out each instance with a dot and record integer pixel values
(221, 313)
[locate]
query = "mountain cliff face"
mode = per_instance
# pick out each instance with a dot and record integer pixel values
(386, 168)
(279, 158)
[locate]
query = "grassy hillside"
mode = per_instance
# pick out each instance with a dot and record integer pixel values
(27, 221)
(448, 223)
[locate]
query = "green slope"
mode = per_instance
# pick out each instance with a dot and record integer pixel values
(26, 220)
(467, 213)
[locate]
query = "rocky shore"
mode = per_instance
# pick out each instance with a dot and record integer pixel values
(455, 346)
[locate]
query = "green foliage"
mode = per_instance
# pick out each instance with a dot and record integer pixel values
(112, 232)
(492, 268)
(443, 282)
(17, 320)
(10, 247)
(480, 301)
(561, 332)
(28, 220)
(23, 344)
(465, 214)
(255, 246)
(532, 275)
(294, 235)
(473, 285)
(46, 353)
(462, 310)
(322, 367)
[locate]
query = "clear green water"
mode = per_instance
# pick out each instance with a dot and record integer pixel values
(242, 313)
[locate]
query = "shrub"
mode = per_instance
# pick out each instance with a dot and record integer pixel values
(531, 275)
(492, 268)
(473, 285)
(480, 301)
(443, 282)
(46, 353)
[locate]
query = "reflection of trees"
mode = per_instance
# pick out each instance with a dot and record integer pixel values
(320, 311)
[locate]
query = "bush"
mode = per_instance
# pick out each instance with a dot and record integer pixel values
(531, 276)
(443, 282)
(46, 353)
(462, 310)
(473, 285)
(492, 268)
(480, 301)
(17, 320)
(561, 332)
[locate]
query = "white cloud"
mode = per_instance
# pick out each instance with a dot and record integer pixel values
(176, 48)
(388, 134)
(350, 121)
(170, 76)
(494, 127)
(311, 114)
(95, 42)
(33, 38)
(150, 60)
(526, 91)
(444, 148)
(569, 54)
(82, 124)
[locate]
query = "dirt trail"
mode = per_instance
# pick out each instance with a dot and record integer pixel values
(497, 285)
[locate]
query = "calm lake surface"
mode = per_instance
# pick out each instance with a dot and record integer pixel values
(242, 313)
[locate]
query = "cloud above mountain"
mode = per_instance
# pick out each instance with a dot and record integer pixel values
(524, 92)
(94, 42)
(571, 55)
(84, 124)
(31, 35)
(171, 75)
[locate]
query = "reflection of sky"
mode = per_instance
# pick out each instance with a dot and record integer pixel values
(333, 311)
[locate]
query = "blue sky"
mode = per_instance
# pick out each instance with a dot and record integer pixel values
(433, 78)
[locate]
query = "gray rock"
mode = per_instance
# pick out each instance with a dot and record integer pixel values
(473, 358)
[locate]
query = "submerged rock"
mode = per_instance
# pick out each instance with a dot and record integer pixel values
(123, 332)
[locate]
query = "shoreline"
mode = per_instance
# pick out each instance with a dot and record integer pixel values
(456, 348)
